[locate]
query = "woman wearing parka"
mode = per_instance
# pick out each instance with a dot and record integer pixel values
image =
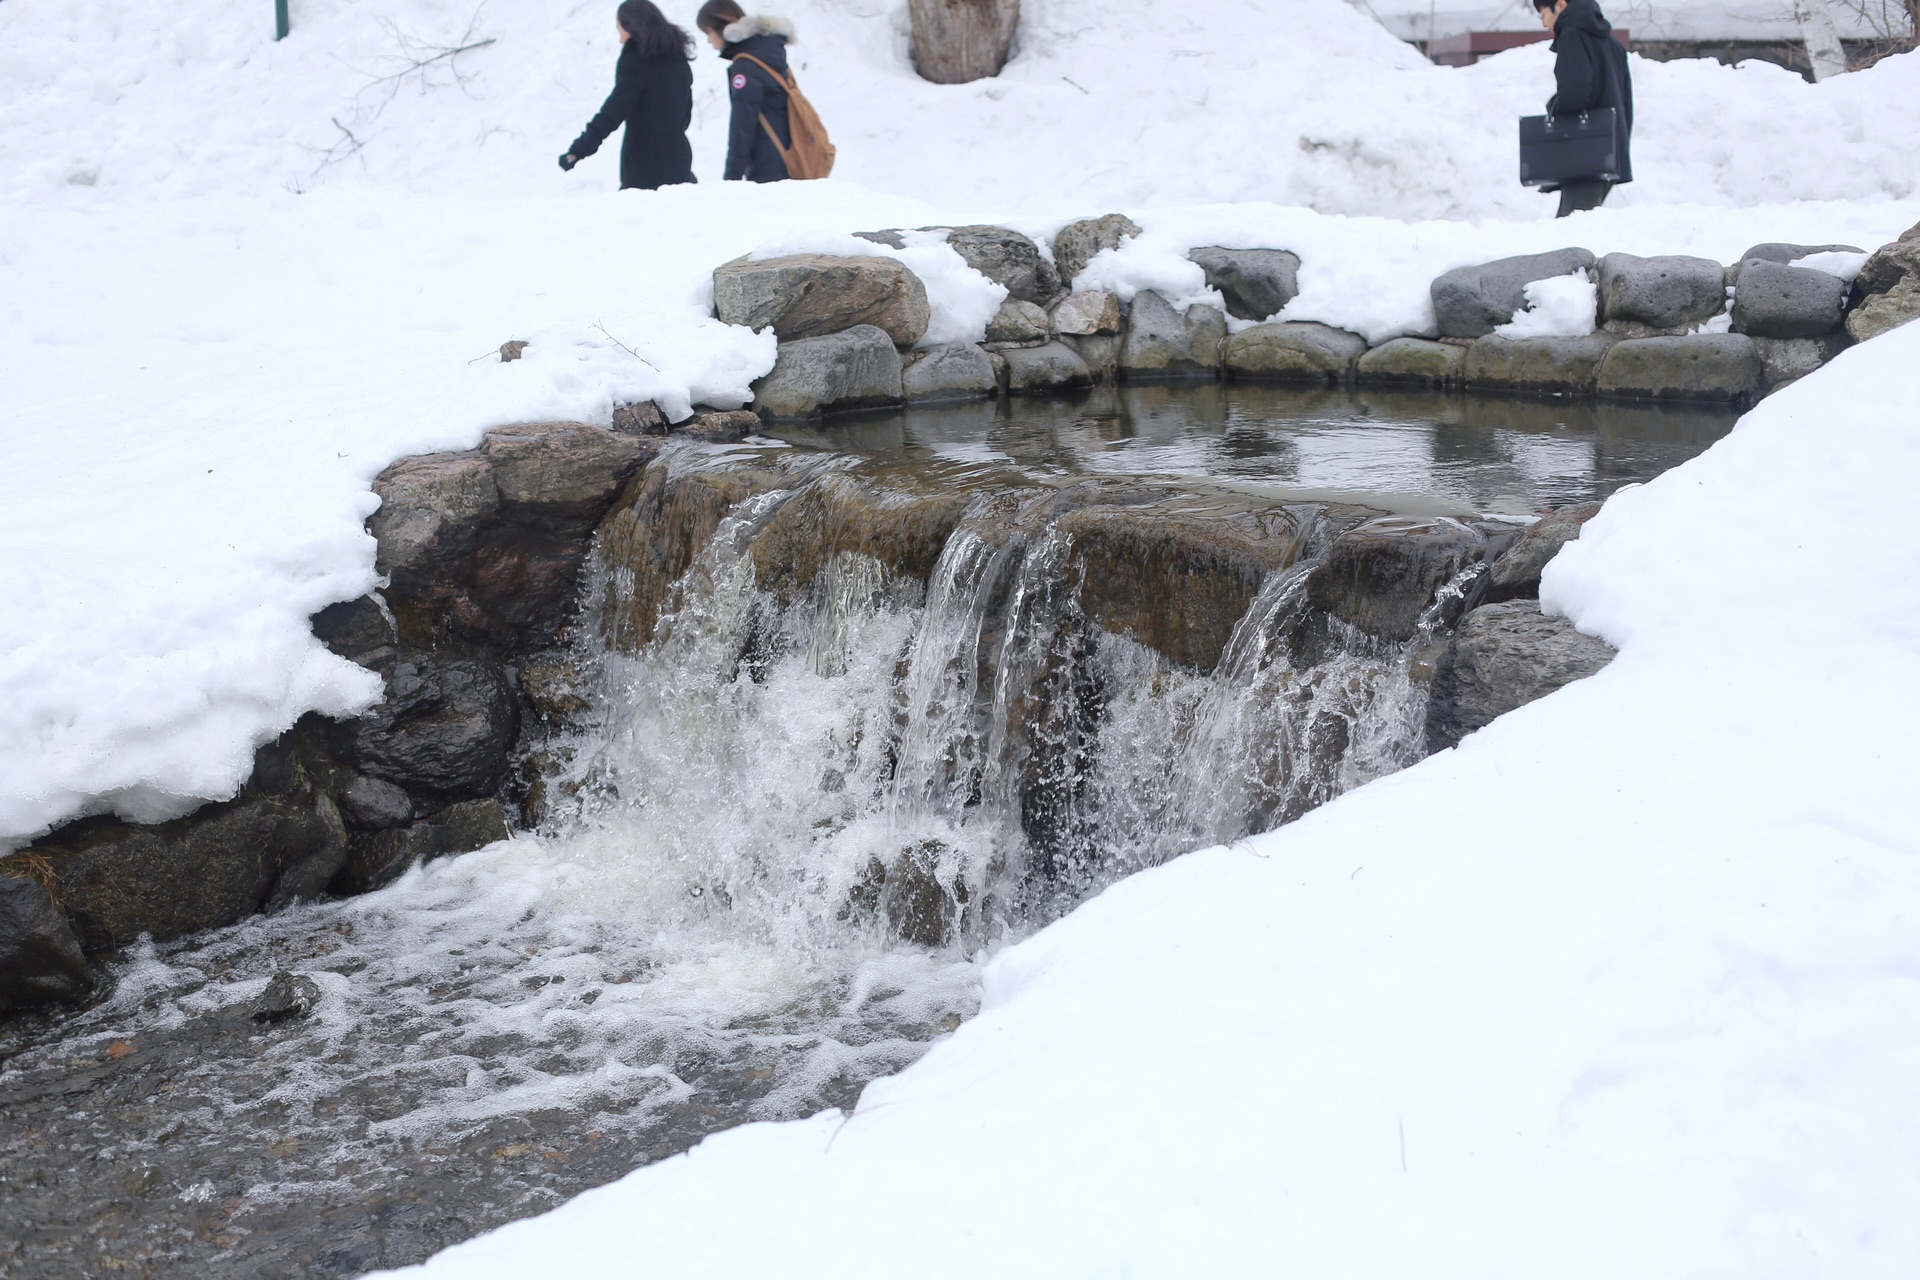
(755, 95)
(652, 96)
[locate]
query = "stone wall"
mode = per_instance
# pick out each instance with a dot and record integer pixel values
(1665, 328)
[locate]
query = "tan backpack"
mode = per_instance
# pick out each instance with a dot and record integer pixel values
(811, 155)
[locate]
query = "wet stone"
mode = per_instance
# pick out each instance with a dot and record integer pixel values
(445, 728)
(1412, 362)
(1503, 657)
(855, 369)
(962, 371)
(1516, 574)
(40, 957)
(1043, 370)
(1294, 352)
(1701, 366)
(374, 804)
(1562, 366)
(1381, 577)
(1163, 343)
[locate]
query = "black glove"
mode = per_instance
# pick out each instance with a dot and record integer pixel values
(569, 160)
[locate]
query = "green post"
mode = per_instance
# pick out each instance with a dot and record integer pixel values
(280, 24)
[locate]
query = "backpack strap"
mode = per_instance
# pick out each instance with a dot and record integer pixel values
(789, 86)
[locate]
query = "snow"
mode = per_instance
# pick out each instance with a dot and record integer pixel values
(1562, 308)
(1624, 985)
(1835, 262)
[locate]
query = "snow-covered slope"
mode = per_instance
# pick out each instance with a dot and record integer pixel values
(1109, 103)
(1626, 985)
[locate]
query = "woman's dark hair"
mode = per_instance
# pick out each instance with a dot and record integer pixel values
(649, 33)
(717, 15)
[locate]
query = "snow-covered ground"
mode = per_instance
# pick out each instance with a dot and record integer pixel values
(1625, 984)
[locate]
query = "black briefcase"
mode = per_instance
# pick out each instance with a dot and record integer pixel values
(1570, 147)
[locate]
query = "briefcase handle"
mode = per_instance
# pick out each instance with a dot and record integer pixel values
(1581, 118)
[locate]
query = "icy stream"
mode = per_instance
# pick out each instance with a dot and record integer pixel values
(775, 849)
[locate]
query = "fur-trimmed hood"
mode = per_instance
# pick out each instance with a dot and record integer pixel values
(759, 24)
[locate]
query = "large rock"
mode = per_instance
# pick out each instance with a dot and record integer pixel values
(1661, 293)
(1008, 259)
(1789, 359)
(1163, 343)
(1880, 312)
(381, 857)
(1256, 283)
(374, 804)
(40, 957)
(1568, 366)
(811, 294)
(1294, 352)
(362, 631)
(1101, 351)
(1471, 302)
(213, 868)
(1078, 243)
(856, 369)
(486, 546)
(1382, 576)
(1773, 301)
(1087, 314)
(1018, 322)
(962, 371)
(445, 729)
(1412, 362)
(1516, 574)
(1886, 294)
(1784, 254)
(1699, 366)
(955, 42)
(1504, 656)
(1052, 368)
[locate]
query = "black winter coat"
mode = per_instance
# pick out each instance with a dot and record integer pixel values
(750, 152)
(1590, 71)
(653, 97)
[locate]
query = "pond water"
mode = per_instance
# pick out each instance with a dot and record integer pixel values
(781, 844)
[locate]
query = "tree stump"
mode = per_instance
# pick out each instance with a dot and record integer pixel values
(955, 41)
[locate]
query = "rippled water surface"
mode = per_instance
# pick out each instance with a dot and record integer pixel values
(775, 851)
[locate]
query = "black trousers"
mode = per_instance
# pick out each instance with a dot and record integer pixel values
(1576, 197)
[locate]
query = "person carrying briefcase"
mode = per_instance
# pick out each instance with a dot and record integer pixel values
(1590, 78)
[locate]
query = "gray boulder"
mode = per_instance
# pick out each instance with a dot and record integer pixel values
(1699, 366)
(1790, 359)
(446, 728)
(1088, 314)
(1662, 293)
(360, 631)
(855, 369)
(1162, 343)
(1256, 283)
(811, 294)
(1018, 322)
(1101, 351)
(1516, 574)
(1412, 362)
(1784, 254)
(1054, 367)
(1009, 259)
(1294, 351)
(1569, 366)
(1471, 302)
(1504, 656)
(374, 804)
(962, 371)
(1078, 243)
(1773, 301)
(40, 957)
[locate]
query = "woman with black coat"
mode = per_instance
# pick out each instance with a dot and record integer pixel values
(755, 95)
(652, 96)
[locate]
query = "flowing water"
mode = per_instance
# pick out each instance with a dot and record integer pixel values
(798, 813)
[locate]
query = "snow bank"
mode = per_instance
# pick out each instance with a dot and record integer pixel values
(1109, 103)
(1624, 985)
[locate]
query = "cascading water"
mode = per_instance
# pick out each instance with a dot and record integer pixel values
(852, 726)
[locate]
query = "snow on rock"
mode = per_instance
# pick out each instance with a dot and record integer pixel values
(1562, 307)
(1639, 953)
